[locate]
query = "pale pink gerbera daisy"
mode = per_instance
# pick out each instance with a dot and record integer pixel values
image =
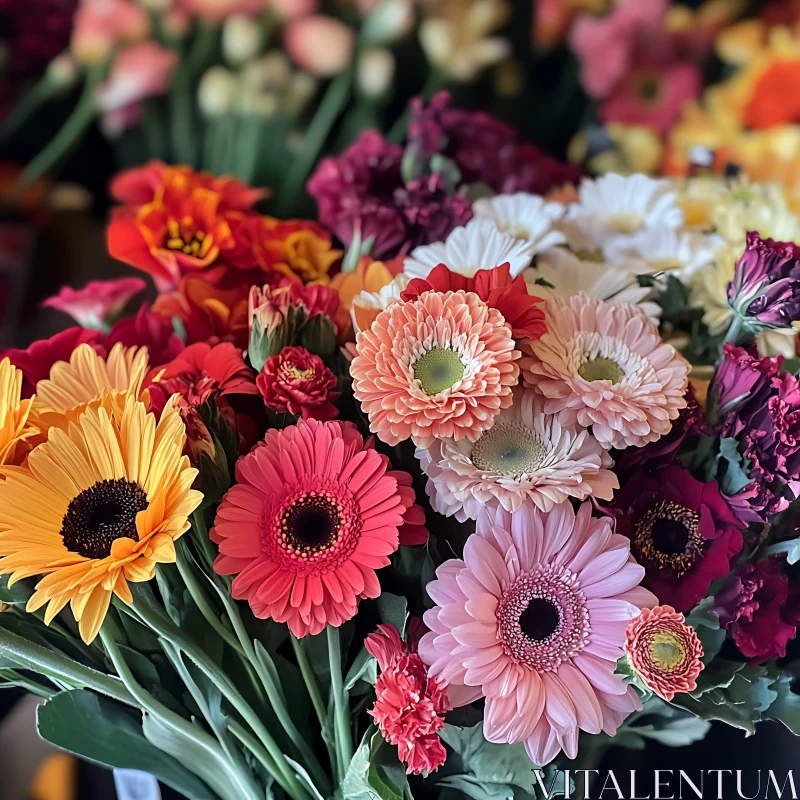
(440, 366)
(534, 619)
(527, 455)
(314, 512)
(604, 366)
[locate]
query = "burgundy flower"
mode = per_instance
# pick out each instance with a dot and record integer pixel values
(742, 377)
(765, 290)
(153, 331)
(760, 609)
(36, 360)
(681, 530)
(297, 382)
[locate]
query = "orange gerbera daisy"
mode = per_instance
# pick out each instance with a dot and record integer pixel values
(14, 427)
(87, 380)
(95, 507)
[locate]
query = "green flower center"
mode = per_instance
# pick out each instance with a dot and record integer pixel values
(601, 369)
(439, 369)
(666, 650)
(508, 448)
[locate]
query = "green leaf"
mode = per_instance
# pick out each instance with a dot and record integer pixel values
(791, 548)
(705, 621)
(786, 706)
(393, 610)
(501, 765)
(364, 670)
(304, 778)
(735, 477)
(17, 594)
(98, 729)
(375, 772)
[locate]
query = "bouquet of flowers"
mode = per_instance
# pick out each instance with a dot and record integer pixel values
(417, 499)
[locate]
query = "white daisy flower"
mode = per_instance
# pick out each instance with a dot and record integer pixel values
(559, 273)
(523, 216)
(617, 207)
(367, 305)
(665, 250)
(526, 456)
(479, 245)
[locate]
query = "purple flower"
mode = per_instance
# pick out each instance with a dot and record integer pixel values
(743, 376)
(765, 290)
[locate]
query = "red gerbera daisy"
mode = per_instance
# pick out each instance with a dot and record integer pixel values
(314, 513)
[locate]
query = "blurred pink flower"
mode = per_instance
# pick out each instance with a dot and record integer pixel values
(653, 94)
(605, 46)
(319, 44)
(218, 10)
(92, 306)
(139, 71)
(99, 25)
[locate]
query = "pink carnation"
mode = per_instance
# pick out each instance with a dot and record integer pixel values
(92, 306)
(409, 706)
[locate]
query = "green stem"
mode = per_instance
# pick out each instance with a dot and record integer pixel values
(169, 718)
(23, 682)
(69, 133)
(54, 665)
(328, 112)
(145, 605)
(344, 736)
(736, 329)
(200, 538)
(253, 745)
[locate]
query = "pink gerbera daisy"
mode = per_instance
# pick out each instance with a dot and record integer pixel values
(440, 366)
(315, 511)
(605, 367)
(533, 619)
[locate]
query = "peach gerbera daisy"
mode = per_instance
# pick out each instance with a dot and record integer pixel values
(14, 412)
(85, 381)
(96, 506)
(440, 366)
(605, 366)
(527, 455)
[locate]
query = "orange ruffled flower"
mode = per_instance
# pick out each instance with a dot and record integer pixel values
(441, 366)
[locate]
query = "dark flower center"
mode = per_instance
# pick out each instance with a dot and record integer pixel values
(311, 524)
(667, 536)
(540, 619)
(101, 514)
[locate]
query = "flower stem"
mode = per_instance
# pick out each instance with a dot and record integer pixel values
(344, 736)
(328, 112)
(54, 665)
(737, 328)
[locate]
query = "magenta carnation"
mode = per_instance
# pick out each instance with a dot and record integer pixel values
(681, 530)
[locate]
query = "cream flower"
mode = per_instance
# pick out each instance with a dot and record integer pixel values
(617, 207)
(478, 245)
(757, 207)
(367, 305)
(606, 367)
(526, 456)
(558, 273)
(524, 216)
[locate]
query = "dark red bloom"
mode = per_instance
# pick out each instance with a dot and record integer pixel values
(150, 330)
(496, 288)
(760, 609)
(742, 377)
(682, 532)
(36, 360)
(409, 706)
(297, 382)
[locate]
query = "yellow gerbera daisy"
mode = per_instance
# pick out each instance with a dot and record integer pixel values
(86, 381)
(96, 506)
(14, 412)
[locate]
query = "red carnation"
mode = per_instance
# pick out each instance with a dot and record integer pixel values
(297, 382)
(409, 706)
(496, 288)
(760, 609)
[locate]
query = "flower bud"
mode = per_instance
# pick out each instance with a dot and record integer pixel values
(267, 315)
(241, 39)
(318, 336)
(375, 72)
(388, 21)
(320, 44)
(216, 91)
(62, 71)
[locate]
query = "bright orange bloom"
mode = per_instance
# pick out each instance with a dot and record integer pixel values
(775, 99)
(208, 308)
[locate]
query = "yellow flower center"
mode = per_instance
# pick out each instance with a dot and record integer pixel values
(439, 369)
(182, 237)
(601, 369)
(666, 650)
(297, 373)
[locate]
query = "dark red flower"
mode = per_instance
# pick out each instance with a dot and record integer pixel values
(742, 377)
(761, 609)
(409, 706)
(496, 288)
(682, 532)
(36, 360)
(150, 330)
(297, 382)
